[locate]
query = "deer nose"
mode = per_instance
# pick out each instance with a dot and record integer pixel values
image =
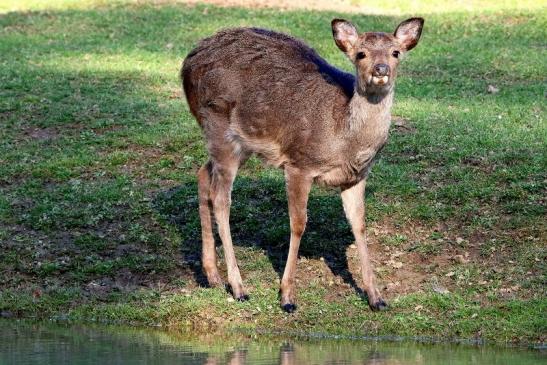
(381, 69)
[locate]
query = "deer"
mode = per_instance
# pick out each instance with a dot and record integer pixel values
(259, 92)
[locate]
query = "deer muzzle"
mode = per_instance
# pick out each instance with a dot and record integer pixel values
(380, 74)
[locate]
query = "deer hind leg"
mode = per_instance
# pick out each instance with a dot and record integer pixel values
(354, 207)
(223, 175)
(225, 158)
(208, 252)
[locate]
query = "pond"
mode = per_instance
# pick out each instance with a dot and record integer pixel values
(26, 343)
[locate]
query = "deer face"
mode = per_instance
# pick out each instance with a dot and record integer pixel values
(376, 55)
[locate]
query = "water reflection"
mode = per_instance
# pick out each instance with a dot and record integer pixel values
(237, 357)
(22, 343)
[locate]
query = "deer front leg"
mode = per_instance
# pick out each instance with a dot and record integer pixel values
(354, 207)
(298, 189)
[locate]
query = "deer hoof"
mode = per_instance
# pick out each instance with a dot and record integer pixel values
(379, 305)
(289, 307)
(242, 298)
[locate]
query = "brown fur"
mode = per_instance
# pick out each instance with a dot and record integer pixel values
(257, 91)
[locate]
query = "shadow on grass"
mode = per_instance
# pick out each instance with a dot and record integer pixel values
(259, 218)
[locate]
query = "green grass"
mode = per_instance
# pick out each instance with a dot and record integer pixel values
(98, 155)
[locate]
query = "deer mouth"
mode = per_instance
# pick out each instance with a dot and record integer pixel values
(380, 80)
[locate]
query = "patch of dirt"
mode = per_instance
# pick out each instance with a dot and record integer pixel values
(41, 134)
(48, 134)
(332, 5)
(138, 166)
(480, 163)
(402, 125)
(401, 270)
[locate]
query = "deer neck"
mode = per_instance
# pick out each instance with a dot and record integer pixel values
(370, 113)
(369, 118)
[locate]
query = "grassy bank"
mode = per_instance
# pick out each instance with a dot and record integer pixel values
(98, 155)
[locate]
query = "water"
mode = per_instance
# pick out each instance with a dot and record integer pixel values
(23, 343)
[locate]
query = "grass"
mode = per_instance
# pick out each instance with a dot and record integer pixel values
(98, 155)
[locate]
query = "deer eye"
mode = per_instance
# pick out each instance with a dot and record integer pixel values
(396, 54)
(360, 55)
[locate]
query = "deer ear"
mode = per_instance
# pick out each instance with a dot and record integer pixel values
(409, 31)
(345, 35)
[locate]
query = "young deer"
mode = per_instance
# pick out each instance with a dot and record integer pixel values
(257, 91)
